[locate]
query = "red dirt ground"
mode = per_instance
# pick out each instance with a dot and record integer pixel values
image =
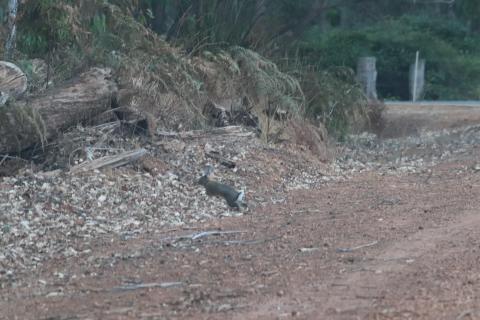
(420, 259)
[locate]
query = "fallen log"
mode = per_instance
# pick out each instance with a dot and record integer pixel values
(13, 81)
(111, 162)
(234, 131)
(37, 120)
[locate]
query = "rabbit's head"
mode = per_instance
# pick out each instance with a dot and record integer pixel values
(203, 180)
(207, 171)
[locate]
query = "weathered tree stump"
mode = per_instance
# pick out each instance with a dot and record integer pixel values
(13, 81)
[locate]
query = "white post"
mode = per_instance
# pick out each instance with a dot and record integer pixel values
(415, 76)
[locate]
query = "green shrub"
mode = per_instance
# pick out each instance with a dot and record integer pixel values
(336, 100)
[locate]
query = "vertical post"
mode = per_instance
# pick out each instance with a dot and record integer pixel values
(417, 78)
(12, 29)
(367, 76)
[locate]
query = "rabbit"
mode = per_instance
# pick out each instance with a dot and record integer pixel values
(234, 198)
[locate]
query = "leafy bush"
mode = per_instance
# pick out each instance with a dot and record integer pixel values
(335, 99)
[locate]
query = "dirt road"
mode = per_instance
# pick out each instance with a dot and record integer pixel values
(406, 118)
(373, 246)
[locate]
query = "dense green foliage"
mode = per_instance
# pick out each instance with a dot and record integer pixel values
(451, 52)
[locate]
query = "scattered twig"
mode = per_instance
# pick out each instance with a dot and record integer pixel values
(177, 229)
(306, 211)
(358, 296)
(6, 156)
(199, 235)
(309, 249)
(342, 250)
(389, 201)
(249, 241)
(3, 159)
(118, 311)
(212, 233)
(469, 312)
(162, 285)
(67, 317)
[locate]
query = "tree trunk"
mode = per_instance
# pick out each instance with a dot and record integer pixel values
(39, 119)
(12, 29)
